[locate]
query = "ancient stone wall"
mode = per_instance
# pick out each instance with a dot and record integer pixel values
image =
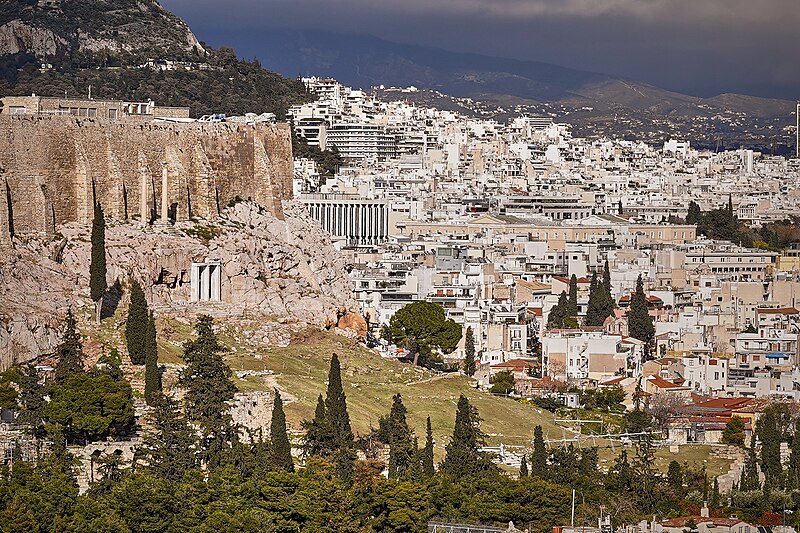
(52, 169)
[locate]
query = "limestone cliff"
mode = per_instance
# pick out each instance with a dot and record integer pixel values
(271, 269)
(122, 31)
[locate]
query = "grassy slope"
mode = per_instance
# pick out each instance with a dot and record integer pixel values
(301, 370)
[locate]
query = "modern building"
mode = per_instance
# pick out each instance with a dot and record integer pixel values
(354, 220)
(361, 141)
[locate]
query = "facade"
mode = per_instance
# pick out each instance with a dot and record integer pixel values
(353, 220)
(90, 108)
(361, 141)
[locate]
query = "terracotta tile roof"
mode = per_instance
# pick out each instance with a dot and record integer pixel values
(562, 279)
(724, 403)
(613, 381)
(516, 364)
(661, 383)
(778, 311)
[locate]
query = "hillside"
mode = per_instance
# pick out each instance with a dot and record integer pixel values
(62, 47)
(596, 104)
(118, 32)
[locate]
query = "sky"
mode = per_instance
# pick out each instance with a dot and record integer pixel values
(698, 47)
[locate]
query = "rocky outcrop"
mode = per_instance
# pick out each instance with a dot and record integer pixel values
(271, 270)
(17, 37)
(53, 29)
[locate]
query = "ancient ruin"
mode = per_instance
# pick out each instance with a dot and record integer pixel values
(53, 169)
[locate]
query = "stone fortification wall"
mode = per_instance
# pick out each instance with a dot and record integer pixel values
(52, 169)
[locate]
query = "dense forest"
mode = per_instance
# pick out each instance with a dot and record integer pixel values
(195, 470)
(231, 86)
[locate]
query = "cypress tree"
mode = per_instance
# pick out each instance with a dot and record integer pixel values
(209, 388)
(749, 478)
(716, 498)
(339, 421)
(462, 455)
(280, 448)
(793, 468)
(320, 437)
(594, 308)
(572, 300)
(97, 265)
(559, 313)
(399, 438)
(336, 406)
(539, 455)
(640, 324)
(675, 476)
(695, 215)
(469, 352)
(136, 325)
(69, 352)
(152, 374)
(523, 468)
(769, 434)
(607, 281)
(427, 454)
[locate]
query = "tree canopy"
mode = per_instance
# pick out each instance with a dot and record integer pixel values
(422, 328)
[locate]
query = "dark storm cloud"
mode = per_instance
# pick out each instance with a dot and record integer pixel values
(697, 46)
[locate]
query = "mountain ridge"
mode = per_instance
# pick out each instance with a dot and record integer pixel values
(363, 61)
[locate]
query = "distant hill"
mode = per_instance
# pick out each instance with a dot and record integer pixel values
(365, 61)
(106, 43)
(596, 104)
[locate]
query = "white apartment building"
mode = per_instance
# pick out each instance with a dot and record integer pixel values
(594, 355)
(362, 141)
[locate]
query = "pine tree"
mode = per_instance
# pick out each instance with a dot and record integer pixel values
(427, 454)
(640, 323)
(523, 468)
(152, 374)
(209, 388)
(69, 352)
(469, 352)
(320, 436)
(136, 325)
(399, 438)
(572, 301)
(171, 449)
(462, 455)
(97, 265)
(280, 448)
(539, 455)
(31, 400)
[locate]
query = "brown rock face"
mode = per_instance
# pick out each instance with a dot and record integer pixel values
(354, 322)
(269, 270)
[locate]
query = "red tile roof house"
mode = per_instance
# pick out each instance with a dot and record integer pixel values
(705, 524)
(703, 420)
